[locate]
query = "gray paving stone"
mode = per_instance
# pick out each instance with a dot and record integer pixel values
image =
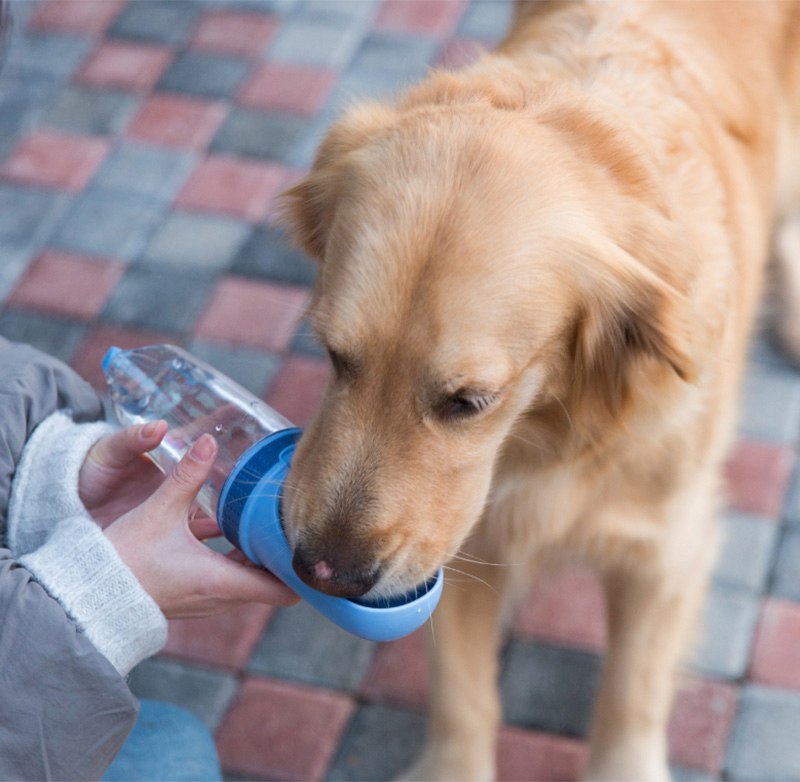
(549, 688)
(259, 134)
(726, 632)
(786, 576)
(24, 97)
(306, 342)
(199, 241)
(207, 75)
(11, 268)
(157, 21)
(96, 112)
(283, 8)
(365, 84)
(322, 42)
(304, 150)
(791, 506)
(252, 369)
(300, 644)
(155, 172)
(770, 408)
(20, 14)
(159, 299)
(269, 254)
(406, 58)
(36, 89)
(765, 351)
(380, 743)
(56, 336)
(746, 551)
(114, 224)
(204, 692)
(763, 746)
(486, 20)
(354, 12)
(28, 216)
(682, 774)
(14, 118)
(56, 56)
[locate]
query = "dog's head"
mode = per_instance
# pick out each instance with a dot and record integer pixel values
(478, 267)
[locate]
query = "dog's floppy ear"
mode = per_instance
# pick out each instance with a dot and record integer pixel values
(308, 206)
(629, 316)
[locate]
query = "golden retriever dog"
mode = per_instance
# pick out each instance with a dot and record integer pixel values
(537, 276)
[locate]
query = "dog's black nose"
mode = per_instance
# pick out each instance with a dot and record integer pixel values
(339, 579)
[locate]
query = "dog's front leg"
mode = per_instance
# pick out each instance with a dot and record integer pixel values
(465, 704)
(651, 617)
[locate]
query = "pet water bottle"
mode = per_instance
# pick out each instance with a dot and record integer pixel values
(243, 490)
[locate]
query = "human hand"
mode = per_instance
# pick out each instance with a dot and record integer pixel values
(116, 476)
(162, 546)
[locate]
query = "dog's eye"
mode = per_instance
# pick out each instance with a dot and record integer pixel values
(462, 405)
(342, 365)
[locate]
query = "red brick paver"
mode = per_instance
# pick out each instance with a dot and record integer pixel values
(88, 358)
(67, 284)
(282, 731)
(88, 17)
(176, 121)
(701, 720)
(233, 186)
(776, 655)
(226, 640)
(254, 313)
(526, 755)
(399, 673)
(287, 88)
(758, 474)
(56, 159)
(236, 32)
(568, 608)
(432, 17)
(297, 389)
(122, 65)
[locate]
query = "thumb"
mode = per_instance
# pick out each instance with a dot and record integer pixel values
(182, 485)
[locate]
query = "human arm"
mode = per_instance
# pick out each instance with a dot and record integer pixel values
(65, 710)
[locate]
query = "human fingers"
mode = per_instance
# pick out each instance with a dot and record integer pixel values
(247, 583)
(203, 527)
(179, 490)
(118, 450)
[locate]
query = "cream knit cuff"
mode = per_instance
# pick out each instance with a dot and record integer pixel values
(80, 568)
(45, 487)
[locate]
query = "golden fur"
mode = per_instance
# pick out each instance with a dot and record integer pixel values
(537, 279)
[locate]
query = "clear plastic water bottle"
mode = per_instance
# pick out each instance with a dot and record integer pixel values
(243, 490)
(165, 382)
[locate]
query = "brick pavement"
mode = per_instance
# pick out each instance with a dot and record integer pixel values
(142, 145)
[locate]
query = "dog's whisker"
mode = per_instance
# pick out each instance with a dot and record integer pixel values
(470, 576)
(539, 446)
(464, 557)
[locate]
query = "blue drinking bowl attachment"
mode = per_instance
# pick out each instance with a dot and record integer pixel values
(249, 516)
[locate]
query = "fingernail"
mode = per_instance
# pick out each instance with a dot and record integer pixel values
(203, 449)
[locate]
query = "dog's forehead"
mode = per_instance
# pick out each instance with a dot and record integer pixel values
(444, 249)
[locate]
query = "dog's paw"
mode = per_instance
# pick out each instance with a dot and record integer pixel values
(655, 771)
(438, 765)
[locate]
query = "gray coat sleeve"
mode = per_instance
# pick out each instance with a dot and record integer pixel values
(64, 709)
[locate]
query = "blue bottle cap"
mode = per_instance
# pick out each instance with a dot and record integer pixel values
(110, 355)
(249, 516)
